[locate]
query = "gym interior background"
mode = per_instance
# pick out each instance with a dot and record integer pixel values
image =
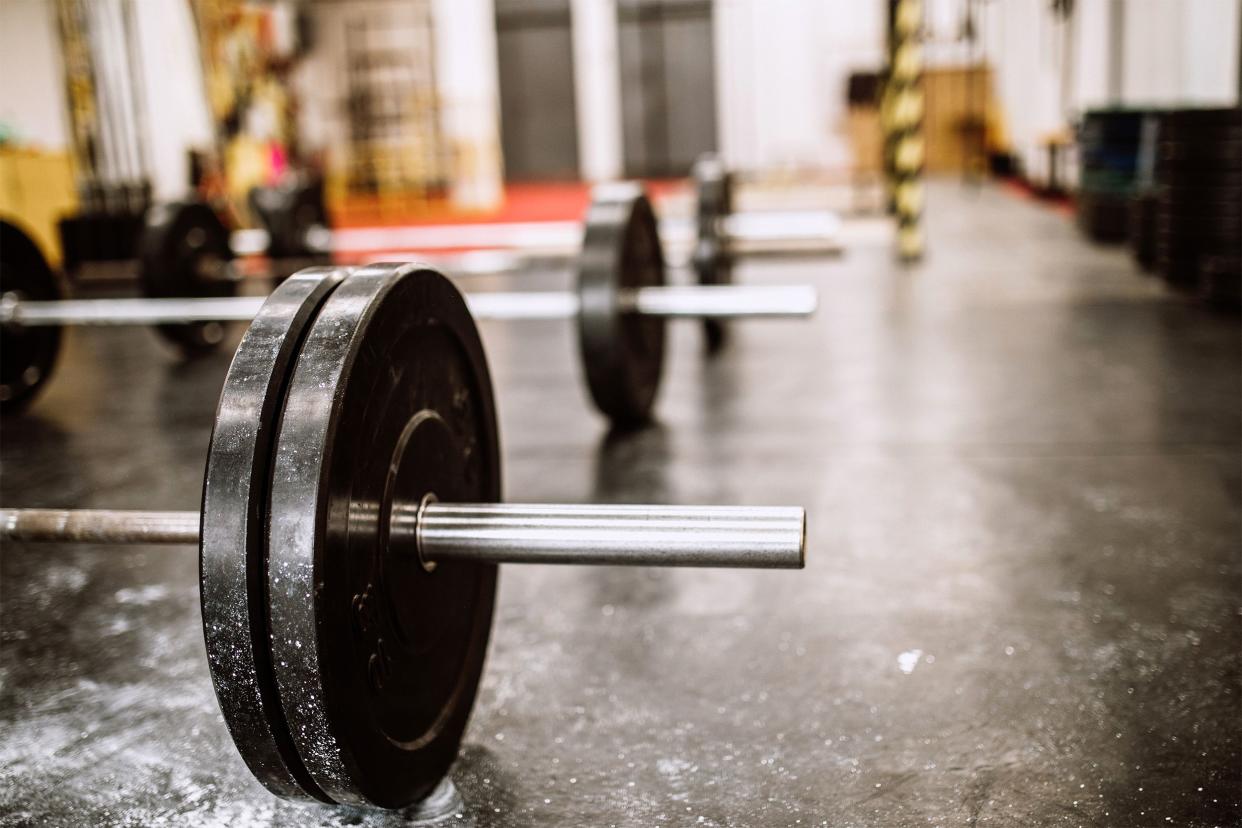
(958, 278)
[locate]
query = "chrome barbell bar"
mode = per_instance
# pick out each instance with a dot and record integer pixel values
(706, 302)
(748, 537)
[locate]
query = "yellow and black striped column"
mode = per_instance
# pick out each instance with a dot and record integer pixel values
(902, 117)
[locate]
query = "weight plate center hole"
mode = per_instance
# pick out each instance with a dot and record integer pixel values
(426, 448)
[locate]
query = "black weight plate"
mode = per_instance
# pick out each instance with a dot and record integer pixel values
(1222, 220)
(27, 355)
(378, 660)
(184, 252)
(288, 211)
(713, 262)
(1201, 123)
(1122, 159)
(1177, 200)
(1182, 276)
(1204, 231)
(1115, 126)
(233, 549)
(1175, 251)
(1220, 213)
(1142, 228)
(1187, 251)
(622, 353)
(1178, 265)
(1103, 217)
(1217, 182)
(1181, 155)
(1170, 212)
(1096, 181)
(1220, 281)
(1223, 189)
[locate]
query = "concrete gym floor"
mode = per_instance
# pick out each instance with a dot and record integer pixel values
(1021, 465)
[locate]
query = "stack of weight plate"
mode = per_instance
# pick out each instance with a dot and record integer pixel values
(1109, 146)
(1143, 227)
(1199, 202)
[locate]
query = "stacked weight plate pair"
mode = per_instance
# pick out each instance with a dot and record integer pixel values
(1142, 229)
(1198, 224)
(345, 669)
(1109, 140)
(1142, 223)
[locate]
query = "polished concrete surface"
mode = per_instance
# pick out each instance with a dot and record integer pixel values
(1021, 465)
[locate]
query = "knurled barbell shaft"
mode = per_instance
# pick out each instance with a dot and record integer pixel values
(716, 301)
(98, 526)
(762, 537)
(28, 314)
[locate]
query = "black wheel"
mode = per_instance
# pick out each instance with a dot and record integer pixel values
(288, 212)
(713, 263)
(27, 355)
(184, 252)
(622, 352)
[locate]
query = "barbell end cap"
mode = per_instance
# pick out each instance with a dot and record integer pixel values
(802, 545)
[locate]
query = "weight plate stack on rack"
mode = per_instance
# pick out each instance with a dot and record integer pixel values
(1220, 281)
(1110, 140)
(1142, 228)
(1198, 217)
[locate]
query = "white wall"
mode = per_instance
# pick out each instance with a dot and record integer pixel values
(597, 88)
(32, 83)
(781, 72)
(469, 86)
(1089, 53)
(1181, 52)
(1174, 53)
(178, 118)
(781, 69)
(1027, 48)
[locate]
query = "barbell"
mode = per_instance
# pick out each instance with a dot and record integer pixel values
(295, 224)
(350, 529)
(621, 303)
(296, 227)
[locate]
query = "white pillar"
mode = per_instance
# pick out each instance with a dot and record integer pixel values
(469, 86)
(736, 115)
(32, 92)
(597, 88)
(176, 98)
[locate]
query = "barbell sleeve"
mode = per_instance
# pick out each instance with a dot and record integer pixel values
(723, 301)
(759, 537)
(770, 537)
